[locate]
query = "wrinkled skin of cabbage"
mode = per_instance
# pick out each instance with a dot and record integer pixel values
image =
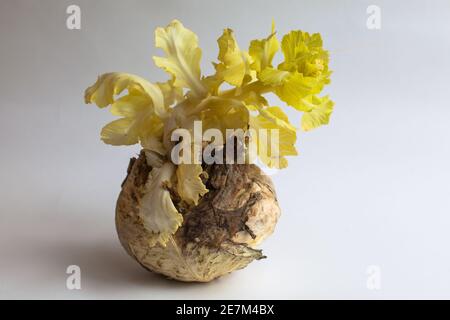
(218, 236)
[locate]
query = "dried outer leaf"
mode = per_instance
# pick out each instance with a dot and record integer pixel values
(156, 209)
(189, 183)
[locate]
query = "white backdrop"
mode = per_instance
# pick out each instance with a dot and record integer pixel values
(370, 189)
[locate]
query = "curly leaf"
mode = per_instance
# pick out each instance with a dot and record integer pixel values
(290, 87)
(263, 51)
(272, 152)
(142, 108)
(235, 64)
(107, 86)
(183, 56)
(156, 208)
(318, 114)
(190, 186)
(304, 54)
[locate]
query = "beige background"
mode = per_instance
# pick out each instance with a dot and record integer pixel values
(372, 188)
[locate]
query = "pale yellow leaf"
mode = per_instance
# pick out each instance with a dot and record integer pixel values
(318, 114)
(156, 209)
(189, 184)
(183, 55)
